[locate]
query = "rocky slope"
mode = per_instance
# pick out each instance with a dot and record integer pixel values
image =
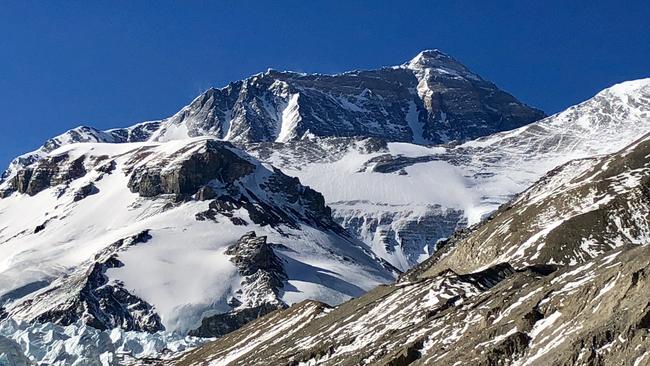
(153, 236)
(574, 294)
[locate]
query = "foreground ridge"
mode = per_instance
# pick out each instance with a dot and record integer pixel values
(564, 307)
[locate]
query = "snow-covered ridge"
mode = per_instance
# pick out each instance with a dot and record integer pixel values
(388, 103)
(401, 198)
(194, 199)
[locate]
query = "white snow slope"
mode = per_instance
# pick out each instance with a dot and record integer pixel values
(474, 178)
(182, 270)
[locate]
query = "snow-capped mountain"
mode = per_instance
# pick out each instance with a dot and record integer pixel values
(431, 99)
(564, 283)
(147, 236)
(285, 187)
(402, 198)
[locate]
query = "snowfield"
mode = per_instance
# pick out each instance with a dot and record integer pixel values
(182, 270)
(384, 195)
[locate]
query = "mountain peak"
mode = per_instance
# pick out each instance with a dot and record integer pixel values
(441, 63)
(431, 58)
(639, 87)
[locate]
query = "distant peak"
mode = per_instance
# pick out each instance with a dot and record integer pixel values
(434, 52)
(430, 58)
(441, 63)
(629, 88)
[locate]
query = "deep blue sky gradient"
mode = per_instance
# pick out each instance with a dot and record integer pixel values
(113, 63)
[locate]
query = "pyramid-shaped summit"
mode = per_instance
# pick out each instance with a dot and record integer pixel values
(431, 99)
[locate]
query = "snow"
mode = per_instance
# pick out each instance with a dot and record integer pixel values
(182, 270)
(413, 121)
(436, 181)
(413, 150)
(290, 119)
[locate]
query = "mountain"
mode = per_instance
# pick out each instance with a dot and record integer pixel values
(158, 236)
(289, 187)
(401, 199)
(431, 99)
(558, 276)
(397, 197)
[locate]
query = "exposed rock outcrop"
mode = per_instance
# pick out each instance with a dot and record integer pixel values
(46, 173)
(87, 295)
(263, 279)
(216, 161)
(433, 98)
(85, 191)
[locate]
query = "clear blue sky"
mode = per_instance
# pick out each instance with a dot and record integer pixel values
(111, 63)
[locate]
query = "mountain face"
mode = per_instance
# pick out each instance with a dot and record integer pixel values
(402, 198)
(431, 99)
(558, 276)
(153, 236)
(289, 187)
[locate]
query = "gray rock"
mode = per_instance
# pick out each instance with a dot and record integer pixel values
(85, 191)
(216, 162)
(48, 173)
(87, 295)
(264, 277)
(433, 98)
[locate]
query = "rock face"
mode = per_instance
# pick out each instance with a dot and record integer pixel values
(215, 160)
(433, 99)
(263, 277)
(211, 170)
(46, 173)
(87, 295)
(430, 99)
(564, 282)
